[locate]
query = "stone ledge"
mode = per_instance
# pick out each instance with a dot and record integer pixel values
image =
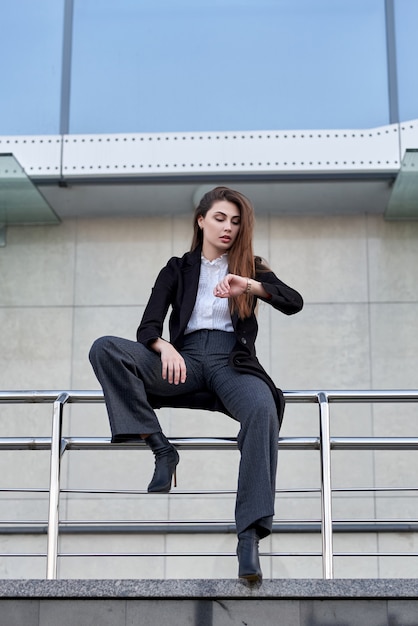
(399, 588)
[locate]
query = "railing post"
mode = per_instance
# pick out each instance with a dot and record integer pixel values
(54, 486)
(326, 500)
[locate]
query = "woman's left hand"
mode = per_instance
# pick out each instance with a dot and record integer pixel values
(231, 286)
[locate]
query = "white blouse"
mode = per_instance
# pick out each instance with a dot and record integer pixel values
(210, 313)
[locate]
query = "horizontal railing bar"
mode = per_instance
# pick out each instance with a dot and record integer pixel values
(104, 443)
(180, 522)
(374, 443)
(299, 527)
(23, 490)
(191, 443)
(23, 554)
(204, 492)
(141, 523)
(377, 520)
(178, 554)
(25, 443)
(139, 492)
(49, 396)
(231, 522)
(117, 526)
(182, 492)
(151, 554)
(374, 489)
(213, 443)
(17, 523)
(210, 523)
(361, 395)
(372, 395)
(225, 554)
(201, 492)
(358, 395)
(203, 554)
(377, 554)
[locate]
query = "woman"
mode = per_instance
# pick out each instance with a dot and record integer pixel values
(213, 291)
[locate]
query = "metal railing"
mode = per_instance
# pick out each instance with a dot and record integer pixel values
(324, 443)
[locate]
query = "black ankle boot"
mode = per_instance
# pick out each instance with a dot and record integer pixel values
(248, 558)
(166, 460)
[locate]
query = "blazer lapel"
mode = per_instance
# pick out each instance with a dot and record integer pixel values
(190, 275)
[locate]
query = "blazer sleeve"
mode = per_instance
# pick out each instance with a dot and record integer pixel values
(162, 296)
(283, 298)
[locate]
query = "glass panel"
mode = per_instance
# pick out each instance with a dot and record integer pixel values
(403, 203)
(20, 201)
(30, 57)
(173, 65)
(406, 24)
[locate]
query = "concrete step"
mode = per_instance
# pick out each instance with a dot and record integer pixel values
(343, 602)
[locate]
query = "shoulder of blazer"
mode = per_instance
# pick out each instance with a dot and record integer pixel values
(189, 260)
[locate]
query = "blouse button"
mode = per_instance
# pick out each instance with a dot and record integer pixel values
(243, 340)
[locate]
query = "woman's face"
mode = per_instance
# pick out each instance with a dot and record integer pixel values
(220, 228)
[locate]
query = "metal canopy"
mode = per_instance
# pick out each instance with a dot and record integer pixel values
(289, 173)
(20, 200)
(403, 202)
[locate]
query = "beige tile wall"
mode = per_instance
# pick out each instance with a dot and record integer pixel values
(61, 287)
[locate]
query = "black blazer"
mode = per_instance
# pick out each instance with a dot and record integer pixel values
(176, 286)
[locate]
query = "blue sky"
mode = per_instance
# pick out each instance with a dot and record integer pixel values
(182, 65)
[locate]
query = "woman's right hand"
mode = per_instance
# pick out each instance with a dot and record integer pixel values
(172, 363)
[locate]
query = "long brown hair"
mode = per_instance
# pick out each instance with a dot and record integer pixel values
(240, 255)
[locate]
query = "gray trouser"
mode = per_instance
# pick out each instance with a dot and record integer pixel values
(128, 370)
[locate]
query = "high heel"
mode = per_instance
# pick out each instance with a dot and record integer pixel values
(249, 569)
(166, 461)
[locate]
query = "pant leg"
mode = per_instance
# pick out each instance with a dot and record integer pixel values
(251, 402)
(127, 371)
